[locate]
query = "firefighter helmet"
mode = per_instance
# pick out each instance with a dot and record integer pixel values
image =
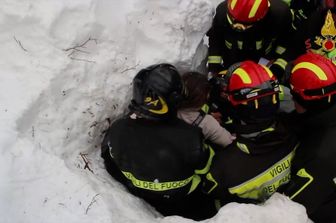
(157, 90)
(253, 91)
(247, 11)
(313, 77)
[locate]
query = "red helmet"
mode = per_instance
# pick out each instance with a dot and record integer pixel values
(248, 11)
(248, 81)
(313, 77)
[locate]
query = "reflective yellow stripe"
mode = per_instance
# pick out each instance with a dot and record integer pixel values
(254, 8)
(271, 129)
(240, 44)
(303, 173)
(259, 44)
(229, 121)
(274, 100)
(207, 167)
(205, 108)
(233, 4)
(312, 67)
(228, 44)
(229, 19)
(288, 2)
(195, 181)
(244, 76)
(243, 147)
(156, 186)
(210, 178)
(281, 62)
(269, 72)
(281, 93)
(280, 50)
(266, 183)
(215, 59)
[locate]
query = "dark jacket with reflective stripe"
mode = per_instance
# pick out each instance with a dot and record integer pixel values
(253, 167)
(258, 41)
(309, 35)
(157, 159)
(314, 186)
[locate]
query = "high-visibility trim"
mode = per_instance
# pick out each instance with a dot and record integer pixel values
(211, 155)
(280, 50)
(244, 76)
(312, 67)
(162, 110)
(254, 8)
(259, 44)
(210, 178)
(228, 44)
(223, 72)
(281, 62)
(256, 103)
(229, 121)
(196, 180)
(205, 108)
(233, 4)
(274, 100)
(229, 19)
(304, 174)
(281, 93)
(269, 72)
(240, 44)
(288, 2)
(270, 129)
(243, 147)
(215, 59)
(266, 183)
(156, 186)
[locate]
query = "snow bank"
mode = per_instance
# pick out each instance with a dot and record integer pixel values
(66, 70)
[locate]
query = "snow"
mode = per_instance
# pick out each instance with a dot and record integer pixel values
(65, 71)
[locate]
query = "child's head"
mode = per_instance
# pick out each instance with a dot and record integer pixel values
(197, 89)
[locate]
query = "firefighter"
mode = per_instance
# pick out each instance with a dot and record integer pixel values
(313, 86)
(157, 156)
(258, 30)
(318, 32)
(258, 162)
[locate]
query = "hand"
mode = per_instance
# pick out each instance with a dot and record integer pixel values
(217, 116)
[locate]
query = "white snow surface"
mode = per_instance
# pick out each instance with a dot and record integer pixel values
(66, 68)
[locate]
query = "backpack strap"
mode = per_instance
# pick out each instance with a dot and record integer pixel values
(199, 118)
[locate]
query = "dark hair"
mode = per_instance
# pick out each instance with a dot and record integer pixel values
(196, 90)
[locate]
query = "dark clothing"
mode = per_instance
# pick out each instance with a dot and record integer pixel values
(314, 184)
(302, 9)
(158, 161)
(254, 166)
(267, 38)
(310, 38)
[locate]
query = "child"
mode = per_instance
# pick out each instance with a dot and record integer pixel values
(197, 90)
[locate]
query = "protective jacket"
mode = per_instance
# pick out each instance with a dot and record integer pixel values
(314, 167)
(159, 161)
(254, 166)
(267, 38)
(318, 34)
